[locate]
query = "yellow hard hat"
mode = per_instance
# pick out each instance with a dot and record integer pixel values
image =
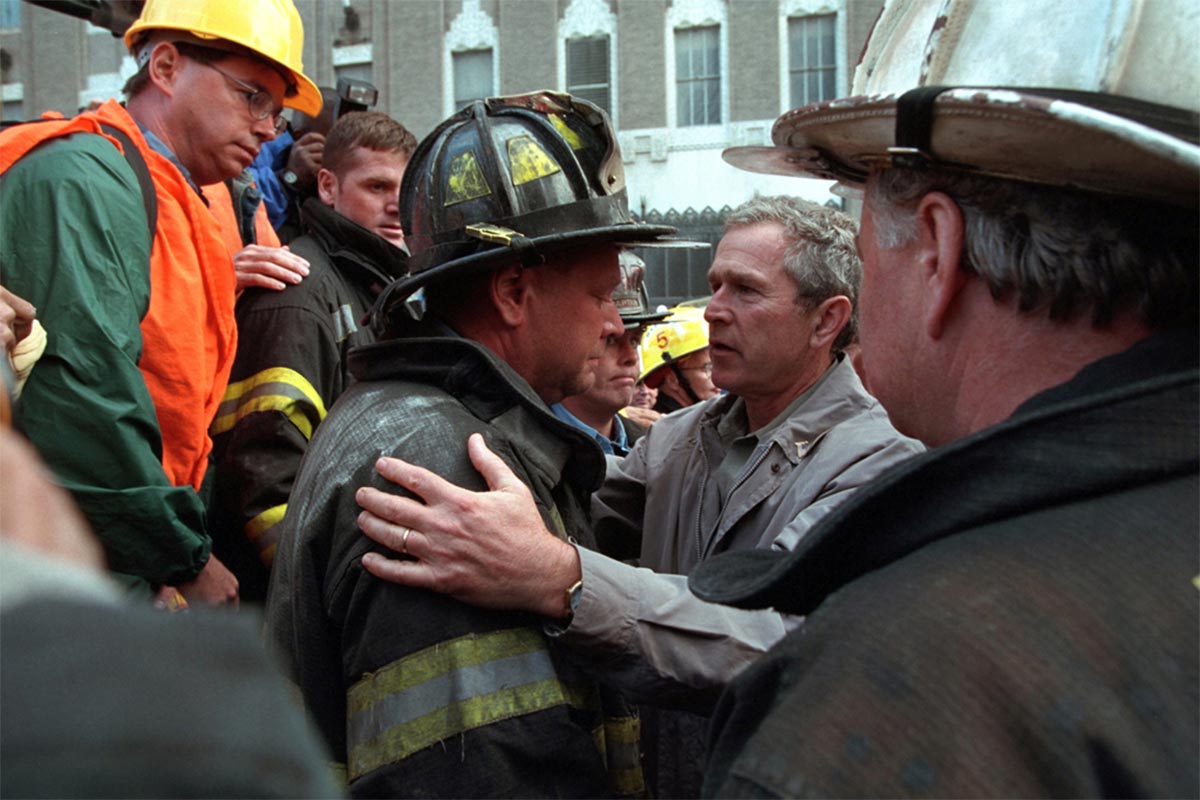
(676, 337)
(269, 28)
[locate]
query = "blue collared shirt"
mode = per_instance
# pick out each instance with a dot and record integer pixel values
(618, 446)
(160, 147)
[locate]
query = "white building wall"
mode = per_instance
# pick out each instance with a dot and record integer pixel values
(672, 168)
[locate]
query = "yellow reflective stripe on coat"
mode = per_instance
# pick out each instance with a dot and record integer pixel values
(623, 755)
(448, 689)
(276, 389)
(262, 531)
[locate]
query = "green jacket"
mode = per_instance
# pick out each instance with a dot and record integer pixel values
(73, 241)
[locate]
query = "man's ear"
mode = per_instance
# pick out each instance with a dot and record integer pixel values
(509, 290)
(166, 63)
(940, 232)
(327, 185)
(831, 316)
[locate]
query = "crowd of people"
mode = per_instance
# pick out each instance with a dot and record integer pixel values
(908, 507)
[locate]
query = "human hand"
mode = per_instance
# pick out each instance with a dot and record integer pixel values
(488, 549)
(306, 157)
(642, 416)
(168, 598)
(214, 586)
(268, 267)
(16, 318)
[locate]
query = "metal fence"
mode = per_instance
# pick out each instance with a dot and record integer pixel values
(675, 275)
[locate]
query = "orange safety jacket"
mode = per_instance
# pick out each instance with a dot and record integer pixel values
(188, 334)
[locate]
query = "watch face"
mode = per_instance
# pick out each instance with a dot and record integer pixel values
(290, 178)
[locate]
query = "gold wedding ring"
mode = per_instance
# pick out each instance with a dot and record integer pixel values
(404, 541)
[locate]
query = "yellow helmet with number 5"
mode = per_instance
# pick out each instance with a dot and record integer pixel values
(676, 337)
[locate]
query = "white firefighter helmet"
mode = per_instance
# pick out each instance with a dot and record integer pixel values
(1099, 96)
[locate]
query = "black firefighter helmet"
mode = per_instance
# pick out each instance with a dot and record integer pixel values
(512, 179)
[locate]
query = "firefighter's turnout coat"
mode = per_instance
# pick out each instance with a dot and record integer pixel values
(291, 366)
(421, 695)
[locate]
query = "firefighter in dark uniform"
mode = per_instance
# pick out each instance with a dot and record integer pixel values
(292, 348)
(514, 210)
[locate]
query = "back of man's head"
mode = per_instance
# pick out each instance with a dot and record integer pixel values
(820, 255)
(1058, 252)
(371, 130)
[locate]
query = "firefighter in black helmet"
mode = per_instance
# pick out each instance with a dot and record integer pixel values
(515, 212)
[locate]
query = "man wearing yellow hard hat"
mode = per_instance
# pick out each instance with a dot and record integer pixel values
(104, 229)
(675, 360)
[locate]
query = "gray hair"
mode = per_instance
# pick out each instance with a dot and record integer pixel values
(820, 255)
(1062, 251)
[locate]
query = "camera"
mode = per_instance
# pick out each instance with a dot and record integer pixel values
(354, 95)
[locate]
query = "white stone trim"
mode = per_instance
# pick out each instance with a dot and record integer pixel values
(472, 29)
(351, 54)
(590, 18)
(102, 86)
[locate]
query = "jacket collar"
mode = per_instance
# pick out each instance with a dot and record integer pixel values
(839, 396)
(1139, 407)
(379, 260)
(492, 391)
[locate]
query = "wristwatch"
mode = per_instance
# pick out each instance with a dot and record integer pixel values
(574, 594)
(290, 178)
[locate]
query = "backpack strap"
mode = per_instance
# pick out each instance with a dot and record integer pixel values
(132, 155)
(138, 164)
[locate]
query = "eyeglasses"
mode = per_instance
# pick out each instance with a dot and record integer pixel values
(262, 105)
(705, 368)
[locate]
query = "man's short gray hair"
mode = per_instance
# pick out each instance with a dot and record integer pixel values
(820, 254)
(1060, 251)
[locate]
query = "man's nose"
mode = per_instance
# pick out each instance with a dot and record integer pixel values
(715, 308)
(612, 322)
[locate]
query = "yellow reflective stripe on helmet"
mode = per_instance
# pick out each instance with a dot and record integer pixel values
(527, 160)
(465, 180)
(563, 128)
(448, 689)
(276, 389)
(261, 530)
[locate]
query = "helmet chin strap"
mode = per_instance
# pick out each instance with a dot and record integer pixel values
(683, 381)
